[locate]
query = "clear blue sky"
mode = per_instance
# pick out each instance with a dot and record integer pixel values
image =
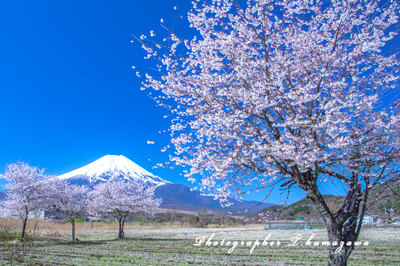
(68, 92)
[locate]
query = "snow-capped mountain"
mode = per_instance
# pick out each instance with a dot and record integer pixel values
(174, 196)
(112, 167)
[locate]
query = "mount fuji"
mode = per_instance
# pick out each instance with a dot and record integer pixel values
(112, 167)
(174, 196)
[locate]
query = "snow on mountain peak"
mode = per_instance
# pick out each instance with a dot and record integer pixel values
(110, 167)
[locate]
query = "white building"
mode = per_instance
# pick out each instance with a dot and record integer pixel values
(36, 214)
(368, 220)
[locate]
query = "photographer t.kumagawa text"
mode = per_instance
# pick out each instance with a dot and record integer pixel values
(252, 244)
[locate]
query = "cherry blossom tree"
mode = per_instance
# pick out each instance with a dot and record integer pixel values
(119, 200)
(26, 192)
(288, 93)
(70, 201)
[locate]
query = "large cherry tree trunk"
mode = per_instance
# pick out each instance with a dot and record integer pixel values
(336, 257)
(344, 225)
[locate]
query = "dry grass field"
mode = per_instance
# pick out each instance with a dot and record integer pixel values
(175, 245)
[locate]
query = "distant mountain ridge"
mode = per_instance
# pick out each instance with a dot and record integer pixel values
(177, 196)
(378, 196)
(174, 196)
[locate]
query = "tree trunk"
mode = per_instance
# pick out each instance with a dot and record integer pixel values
(73, 229)
(337, 255)
(24, 222)
(36, 224)
(121, 228)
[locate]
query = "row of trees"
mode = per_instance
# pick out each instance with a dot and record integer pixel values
(29, 190)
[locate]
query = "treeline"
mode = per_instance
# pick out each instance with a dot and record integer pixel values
(30, 190)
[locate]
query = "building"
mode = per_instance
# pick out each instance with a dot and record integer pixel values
(36, 215)
(368, 220)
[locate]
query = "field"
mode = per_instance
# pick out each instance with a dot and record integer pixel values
(175, 246)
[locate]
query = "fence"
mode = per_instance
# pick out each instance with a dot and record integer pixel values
(284, 224)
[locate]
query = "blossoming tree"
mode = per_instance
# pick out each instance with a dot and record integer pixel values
(285, 92)
(70, 201)
(119, 199)
(26, 192)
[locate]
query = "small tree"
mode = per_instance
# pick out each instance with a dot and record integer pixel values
(119, 199)
(205, 217)
(222, 218)
(25, 193)
(286, 92)
(392, 204)
(70, 201)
